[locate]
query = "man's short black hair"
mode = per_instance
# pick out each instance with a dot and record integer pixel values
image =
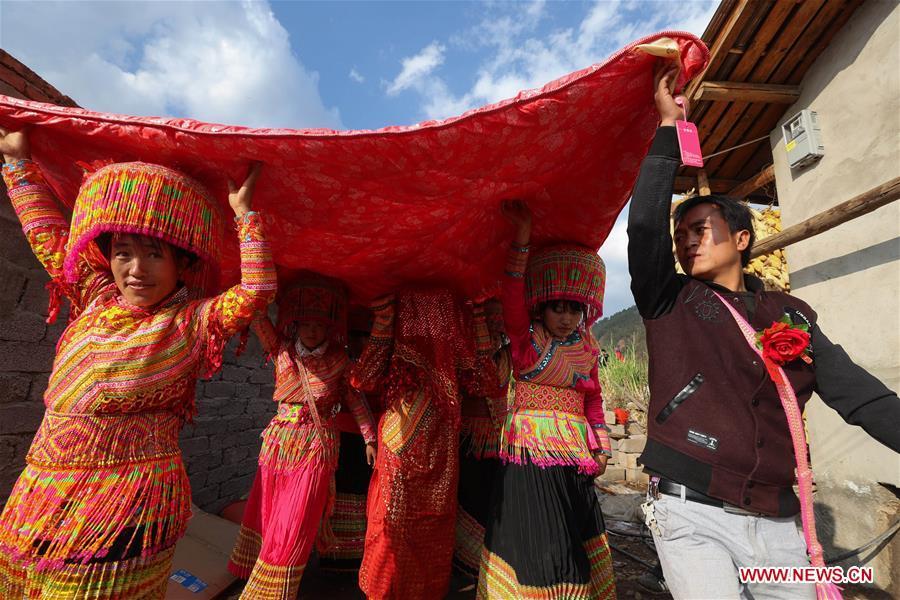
(735, 213)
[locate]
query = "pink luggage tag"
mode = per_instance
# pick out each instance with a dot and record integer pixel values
(688, 139)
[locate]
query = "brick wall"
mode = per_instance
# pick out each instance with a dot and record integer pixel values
(220, 447)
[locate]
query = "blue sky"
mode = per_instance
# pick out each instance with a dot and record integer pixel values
(344, 65)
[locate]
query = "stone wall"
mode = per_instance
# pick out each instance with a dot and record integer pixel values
(221, 446)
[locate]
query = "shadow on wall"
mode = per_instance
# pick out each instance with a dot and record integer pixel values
(865, 258)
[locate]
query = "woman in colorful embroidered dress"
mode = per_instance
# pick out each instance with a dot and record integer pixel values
(104, 495)
(421, 361)
(293, 487)
(479, 443)
(546, 537)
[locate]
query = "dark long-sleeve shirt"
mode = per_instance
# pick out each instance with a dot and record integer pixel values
(855, 394)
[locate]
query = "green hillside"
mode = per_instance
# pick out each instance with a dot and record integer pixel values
(624, 325)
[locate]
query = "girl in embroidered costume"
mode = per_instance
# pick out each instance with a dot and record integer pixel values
(293, 489)
(104, 495)
(479, 442)
(545, 536)
(421, 361)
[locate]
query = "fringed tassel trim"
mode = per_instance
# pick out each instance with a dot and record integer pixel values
(288, 446)
(56, 517)
(547, 438)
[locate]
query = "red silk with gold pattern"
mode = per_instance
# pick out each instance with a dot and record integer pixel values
(417, 203)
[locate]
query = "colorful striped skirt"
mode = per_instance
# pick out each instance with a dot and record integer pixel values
(348, 521)
(545, 538)
(98, 509)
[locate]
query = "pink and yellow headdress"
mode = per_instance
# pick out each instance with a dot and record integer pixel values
(313, 297)
(566, 272)
(146, 199)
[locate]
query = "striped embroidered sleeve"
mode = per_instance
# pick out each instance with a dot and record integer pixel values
(266, 333)
(362, 414)
(224, 315)
(369, 371)
(593, 412)
(47, 232)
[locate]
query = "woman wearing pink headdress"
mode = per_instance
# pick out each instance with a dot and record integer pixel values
(294, 488)
(545, 536)
(104, 495)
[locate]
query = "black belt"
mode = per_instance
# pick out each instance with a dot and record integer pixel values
(672, 488)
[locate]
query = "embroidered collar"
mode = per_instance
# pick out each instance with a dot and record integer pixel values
(177, 297)
(303, 351)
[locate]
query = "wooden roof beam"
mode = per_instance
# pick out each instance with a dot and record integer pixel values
(762, 178)
(732, 91)
(724, 40)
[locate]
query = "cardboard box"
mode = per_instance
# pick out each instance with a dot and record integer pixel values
(199, 569)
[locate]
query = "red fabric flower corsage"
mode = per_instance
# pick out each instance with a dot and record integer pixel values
(782, 343)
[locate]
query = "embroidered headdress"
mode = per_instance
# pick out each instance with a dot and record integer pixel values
(146, 199)
(566, 272)
(313, 297)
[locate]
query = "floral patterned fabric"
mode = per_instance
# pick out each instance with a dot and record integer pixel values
(403, 204)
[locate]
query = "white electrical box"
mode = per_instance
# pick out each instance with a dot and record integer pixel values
(802, 139)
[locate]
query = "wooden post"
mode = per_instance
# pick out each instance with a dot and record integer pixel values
(703, 183)
(843, 212)
(765, 176)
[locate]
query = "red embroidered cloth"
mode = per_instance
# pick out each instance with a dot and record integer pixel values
(401, 204)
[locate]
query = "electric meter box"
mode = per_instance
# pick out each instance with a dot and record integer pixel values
(803, 139)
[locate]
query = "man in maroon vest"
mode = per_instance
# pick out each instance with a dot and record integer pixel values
(718, 443)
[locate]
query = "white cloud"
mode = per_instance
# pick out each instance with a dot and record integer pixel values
(517, 58)
(615, 255)
(228, 62)
(417, 69)
(356, 76)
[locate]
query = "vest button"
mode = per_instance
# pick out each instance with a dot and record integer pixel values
(749, 484)
(755, 402)
(759, 443)
(746, 500)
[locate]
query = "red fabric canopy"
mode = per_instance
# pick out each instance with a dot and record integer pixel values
(378, 209)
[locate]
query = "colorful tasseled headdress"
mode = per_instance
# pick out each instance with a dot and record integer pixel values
(313, 297)
(567, 272)
(146, 199)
